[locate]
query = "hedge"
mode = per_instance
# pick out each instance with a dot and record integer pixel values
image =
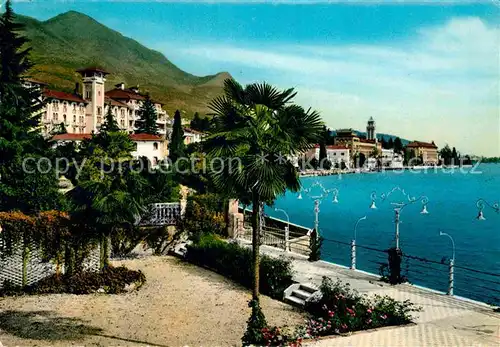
(235, 262)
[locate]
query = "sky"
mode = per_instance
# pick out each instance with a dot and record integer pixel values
(424, 70)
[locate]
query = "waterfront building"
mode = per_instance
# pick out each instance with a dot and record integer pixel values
(83, 113)
(356, 144)
(391, 159)
(427, 151)
(335, 154)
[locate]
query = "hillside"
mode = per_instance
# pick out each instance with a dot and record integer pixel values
(73, 40)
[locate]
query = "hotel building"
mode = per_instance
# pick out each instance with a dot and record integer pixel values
(84, 113)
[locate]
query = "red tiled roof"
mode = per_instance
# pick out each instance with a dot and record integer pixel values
(80, 137)
(123, 94)
(145, 137)
(419, 144)
(71, 137)
(366, 141)
(114, 102)
(54, 94)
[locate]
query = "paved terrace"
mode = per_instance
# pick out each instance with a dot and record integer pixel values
(444, 320)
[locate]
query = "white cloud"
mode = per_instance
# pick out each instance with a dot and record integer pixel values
(441, 84)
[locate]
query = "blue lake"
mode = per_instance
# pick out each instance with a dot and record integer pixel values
(452, 209)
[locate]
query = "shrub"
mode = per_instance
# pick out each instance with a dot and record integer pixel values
(111, 280)
(341, 309)
(204, 214)
(235, 262)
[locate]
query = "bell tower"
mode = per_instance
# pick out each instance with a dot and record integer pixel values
(93, 92)
(370, 130)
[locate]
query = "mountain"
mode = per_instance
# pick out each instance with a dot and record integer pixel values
(73, 40)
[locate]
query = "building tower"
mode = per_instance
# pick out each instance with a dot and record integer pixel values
(370, 130)
(93, 92)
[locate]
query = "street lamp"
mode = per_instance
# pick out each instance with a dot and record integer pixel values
(287, 228)
(317, 200)
(452, 263)
(481, 204)
(353, 244)
(399, 206)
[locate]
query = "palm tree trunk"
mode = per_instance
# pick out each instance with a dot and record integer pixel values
(255, 245)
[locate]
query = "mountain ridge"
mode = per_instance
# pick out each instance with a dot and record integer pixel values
(72, 40)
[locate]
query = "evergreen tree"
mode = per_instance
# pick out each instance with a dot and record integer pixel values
(384, 143)
(196, 122)
(390, 143)
(176, 147)
(110, 124)
(147, 122)
(454, 156)
(22, 188)
(398, 145)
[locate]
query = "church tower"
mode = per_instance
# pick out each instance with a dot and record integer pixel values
(93, 92)
(370, 130)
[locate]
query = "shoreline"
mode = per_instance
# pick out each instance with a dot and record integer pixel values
(316, 173)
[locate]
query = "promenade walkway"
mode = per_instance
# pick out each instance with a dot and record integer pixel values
(444, 320)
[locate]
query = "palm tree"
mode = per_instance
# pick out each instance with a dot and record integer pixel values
(257, 128)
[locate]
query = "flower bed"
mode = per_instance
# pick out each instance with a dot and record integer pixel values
(112, 280)
(338, 311)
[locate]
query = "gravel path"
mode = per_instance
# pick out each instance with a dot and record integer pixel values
(180, 305)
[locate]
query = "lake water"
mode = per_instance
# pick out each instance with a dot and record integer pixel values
(452, 209)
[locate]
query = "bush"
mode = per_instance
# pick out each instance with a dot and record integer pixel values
(341, 309)
(235, 262)
(111, 280)
(204, 214)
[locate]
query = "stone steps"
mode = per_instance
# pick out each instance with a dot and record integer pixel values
(298, 293)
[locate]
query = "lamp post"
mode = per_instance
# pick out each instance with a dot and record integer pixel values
(481, 204)
(399, 206)
(287, 229)
(318, 199)
(452, 263)
(353, 244)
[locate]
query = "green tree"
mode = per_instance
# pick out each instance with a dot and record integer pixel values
(110, 124)
(109, 195)
(322, 148)
(146, 124)
(398, 145)
(446, 155)
(22, 188)
(260, 126)
(177, 148)
(454, 157)
(390, 143)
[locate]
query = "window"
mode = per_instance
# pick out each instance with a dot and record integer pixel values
(74, 118)
(64, 118)
(88, 94)
(155, 160)
(155, 146)
(99, 93)
(342, 153)
(99, 110)
(122, 112)
(56, 117)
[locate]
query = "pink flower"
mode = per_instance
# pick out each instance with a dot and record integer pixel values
(369, 310)
(344, 326)
(383, 316)
(331, 313)
(369, 321)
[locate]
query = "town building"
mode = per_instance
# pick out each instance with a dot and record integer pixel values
(192, 136)
(390, 159)
(358, 145)
(153, 147)
(83, 113)
(335, 155)
(427, 151)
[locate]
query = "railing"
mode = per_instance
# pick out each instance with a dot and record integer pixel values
(444, 275)
(162, 214)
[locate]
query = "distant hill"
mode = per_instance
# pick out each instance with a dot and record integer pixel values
(73, 40)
